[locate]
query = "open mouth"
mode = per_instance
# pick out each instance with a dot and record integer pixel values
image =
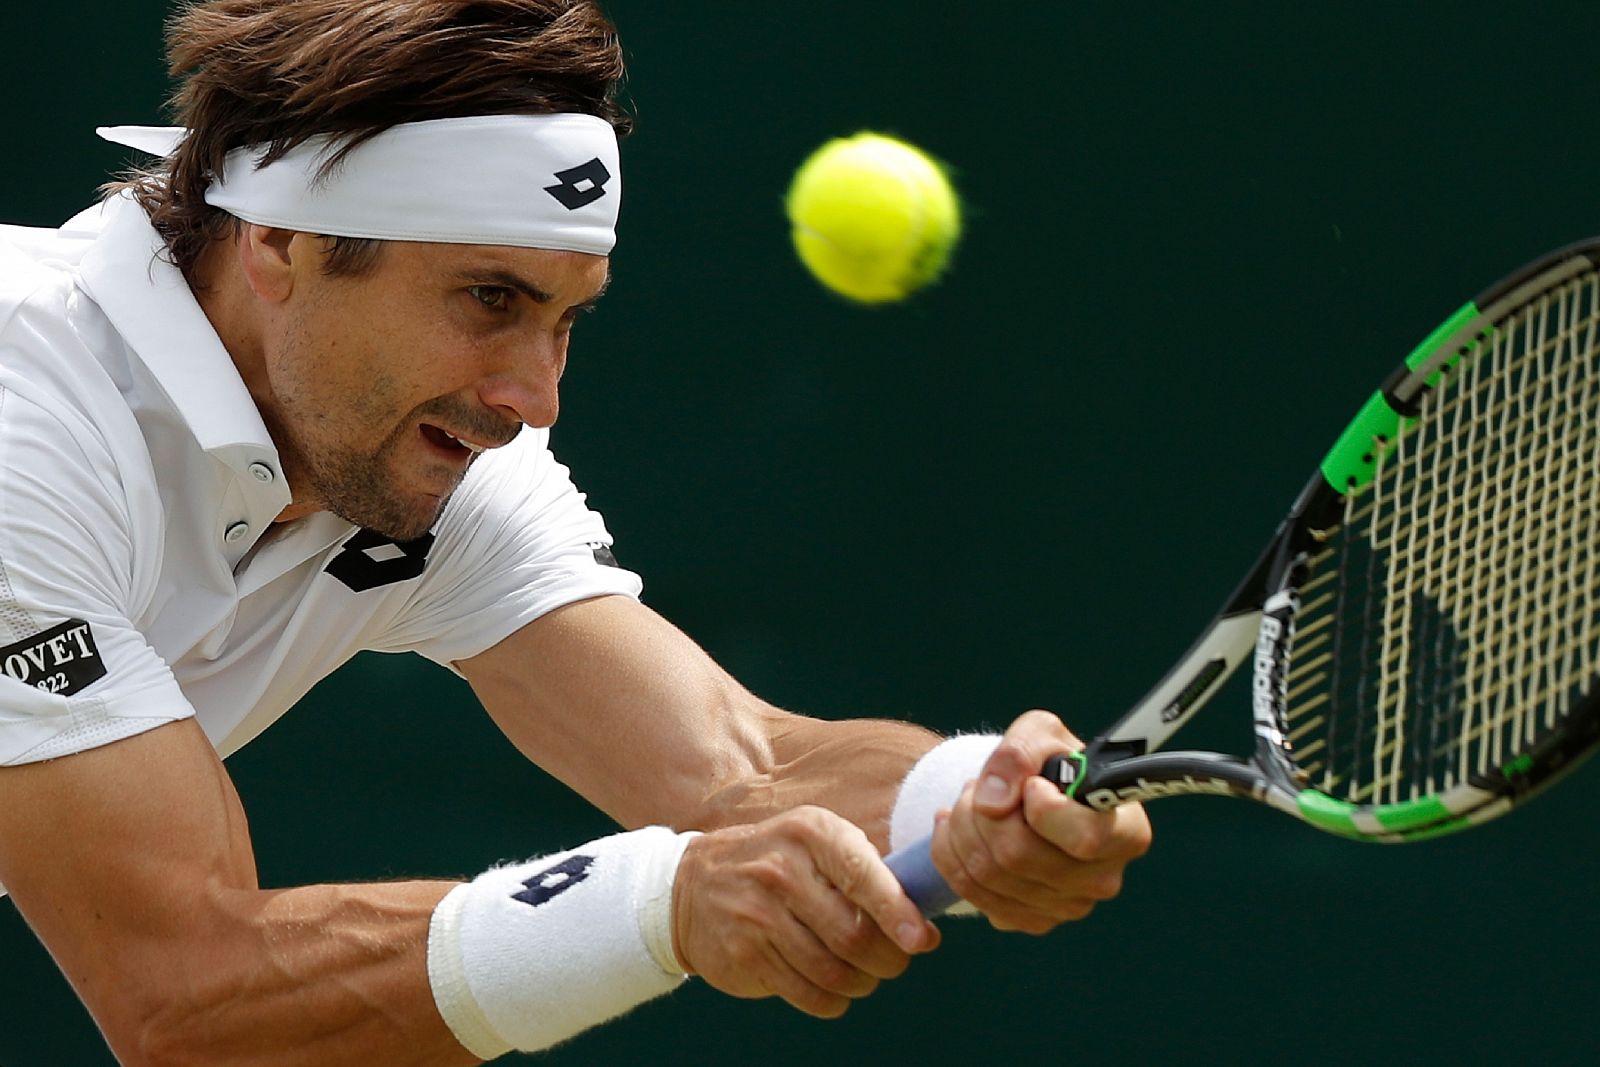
(448, 442)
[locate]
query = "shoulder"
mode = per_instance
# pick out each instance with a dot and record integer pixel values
(520, 501)
(29, 283)
(505, 484)
(38, 262)
(60, 405)
(516, 541)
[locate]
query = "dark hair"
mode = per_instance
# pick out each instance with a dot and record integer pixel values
(277, 72)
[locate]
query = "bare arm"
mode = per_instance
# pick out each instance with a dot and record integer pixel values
(132, 863)
(787, 897)
(631, 713)
(685, 744)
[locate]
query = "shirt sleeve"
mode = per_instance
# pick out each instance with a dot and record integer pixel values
(75, 672)
(516, 541)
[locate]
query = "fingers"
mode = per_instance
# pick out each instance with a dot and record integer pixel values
(809, 976)
(1034, 737)
(1121, 834)
(1015, 877)
(857, 873)
(853, 924)
(1025, 855)
(800, 907)
(791, 965)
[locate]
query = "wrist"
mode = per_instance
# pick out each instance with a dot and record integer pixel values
(934, 784)
(527, 955)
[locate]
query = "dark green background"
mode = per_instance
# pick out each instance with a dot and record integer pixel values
(1198, 234)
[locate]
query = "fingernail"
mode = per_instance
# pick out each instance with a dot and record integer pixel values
(994, 790)
(909, 935)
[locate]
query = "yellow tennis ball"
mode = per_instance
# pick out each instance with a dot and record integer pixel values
(874, 218)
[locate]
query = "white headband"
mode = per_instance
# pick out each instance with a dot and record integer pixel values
(533, 181)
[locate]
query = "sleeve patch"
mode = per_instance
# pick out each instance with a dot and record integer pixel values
(62, 659)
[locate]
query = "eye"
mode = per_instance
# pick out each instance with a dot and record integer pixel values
(496, 297)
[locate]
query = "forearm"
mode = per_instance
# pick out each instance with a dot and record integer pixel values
(853, 767)
(315, 975)
(624, 708)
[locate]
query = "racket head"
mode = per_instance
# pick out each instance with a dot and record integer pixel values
(1441, 657)
(1423, 632)
(1454, 526)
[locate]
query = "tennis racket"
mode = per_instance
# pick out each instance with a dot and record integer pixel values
(1423, 629)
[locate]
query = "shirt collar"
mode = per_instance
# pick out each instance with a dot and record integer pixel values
(149, 302)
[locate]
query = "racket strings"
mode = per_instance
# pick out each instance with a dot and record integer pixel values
(1457, 614)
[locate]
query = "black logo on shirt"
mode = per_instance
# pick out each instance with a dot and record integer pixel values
(61, 660)
(370, 560)
(554, 880)
(581, 185)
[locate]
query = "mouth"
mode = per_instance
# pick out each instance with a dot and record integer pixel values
(447, 442)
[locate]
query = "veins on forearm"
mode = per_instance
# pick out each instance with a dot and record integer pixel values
(315, 975)
(853, 767)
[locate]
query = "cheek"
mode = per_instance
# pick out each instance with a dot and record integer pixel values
(373, 337)
(378, 357)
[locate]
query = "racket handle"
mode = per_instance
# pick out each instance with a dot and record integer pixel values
(1066, 773)
(921, 880)
(913, 865)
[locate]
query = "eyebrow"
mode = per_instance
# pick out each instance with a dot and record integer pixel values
(511, 280)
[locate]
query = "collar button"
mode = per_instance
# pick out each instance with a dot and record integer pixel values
(236, 533)
(262, 472)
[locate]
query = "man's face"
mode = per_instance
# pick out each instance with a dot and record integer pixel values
(374, 386)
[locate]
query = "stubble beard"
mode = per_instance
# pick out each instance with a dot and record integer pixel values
(364, 488)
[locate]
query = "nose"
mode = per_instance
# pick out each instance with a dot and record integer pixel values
(527, 387)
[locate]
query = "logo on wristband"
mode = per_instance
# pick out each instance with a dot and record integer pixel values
(553, 881)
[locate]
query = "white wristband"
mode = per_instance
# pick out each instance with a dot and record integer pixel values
(525, 956)
(933, 784)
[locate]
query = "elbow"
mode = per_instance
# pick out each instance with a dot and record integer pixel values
(173, 1000)
(142, 1033)
(157, 1046)
(157, 1025)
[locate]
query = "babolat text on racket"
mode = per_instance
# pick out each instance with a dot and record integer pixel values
(1423, 630)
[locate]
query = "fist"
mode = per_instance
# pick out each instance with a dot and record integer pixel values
(1026, 856)
(799, 906)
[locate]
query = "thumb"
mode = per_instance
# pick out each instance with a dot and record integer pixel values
(999, 788)
(1033, 738)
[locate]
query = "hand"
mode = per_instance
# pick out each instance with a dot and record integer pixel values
(799, 906)
(1026, 856)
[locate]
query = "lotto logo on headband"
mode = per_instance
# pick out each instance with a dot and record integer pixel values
(465, 180)
(581, 185)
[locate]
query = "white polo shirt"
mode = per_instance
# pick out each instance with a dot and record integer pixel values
(137, 483)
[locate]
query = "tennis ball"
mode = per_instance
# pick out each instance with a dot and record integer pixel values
(874, 218)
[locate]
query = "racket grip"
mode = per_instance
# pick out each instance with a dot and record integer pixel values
(913, 865)
(921, 880)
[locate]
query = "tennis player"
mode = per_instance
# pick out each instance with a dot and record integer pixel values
(285, 396)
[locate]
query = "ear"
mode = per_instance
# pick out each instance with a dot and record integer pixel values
(267, 258)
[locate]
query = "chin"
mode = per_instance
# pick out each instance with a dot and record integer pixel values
(400, 517)
(380, 493)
